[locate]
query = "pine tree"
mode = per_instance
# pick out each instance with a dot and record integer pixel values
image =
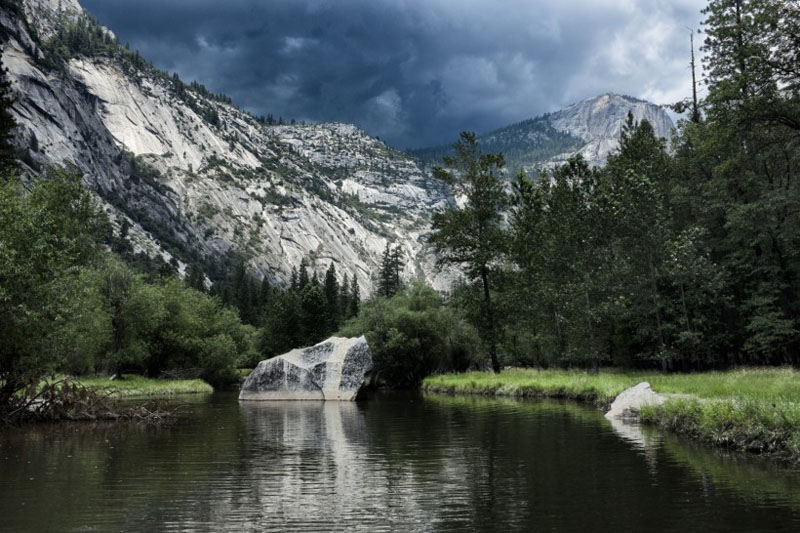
(264, 293)
(355, 298)
(282, 324)
(385, 273)
(397, 268)
(344, 297)
(314, 314)
(7, 123)
(389, 280)
(302, 279)
(195, 278)
(332, 297)
(472, 236)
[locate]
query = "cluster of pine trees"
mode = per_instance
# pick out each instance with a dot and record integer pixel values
(680, 257)
(309, 310)
(389, 280)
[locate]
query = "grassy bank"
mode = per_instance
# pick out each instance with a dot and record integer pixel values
(132, 386)
(755, 410)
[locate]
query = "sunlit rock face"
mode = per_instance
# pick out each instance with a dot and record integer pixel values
(212, 181)
(334, 369)
(591, 128)
(598, 121)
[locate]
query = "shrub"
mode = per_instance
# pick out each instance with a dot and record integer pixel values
(414, 334)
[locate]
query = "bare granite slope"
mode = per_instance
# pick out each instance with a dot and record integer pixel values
(199, 179)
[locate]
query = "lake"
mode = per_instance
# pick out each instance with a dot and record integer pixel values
(397, 462)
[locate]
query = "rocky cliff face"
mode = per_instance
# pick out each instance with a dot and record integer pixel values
(591, 128)
(198, 179)
(598, 123)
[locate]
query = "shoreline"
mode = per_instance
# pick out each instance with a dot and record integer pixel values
(735, 409)
(135, 387)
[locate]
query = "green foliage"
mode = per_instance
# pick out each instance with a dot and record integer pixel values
(67, 305)
(683, 259)
(524, 144)
(131, 386)
(307, 311)
(162, 326)
(314, 313)
(332, 299)
(7, 123)
(45, 236)
(472, 236)
(389, 281)
(282, 326)
(412, 335)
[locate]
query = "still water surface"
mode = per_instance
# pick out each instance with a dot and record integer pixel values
(393, 463)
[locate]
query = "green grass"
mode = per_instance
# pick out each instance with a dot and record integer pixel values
(755, 410)
(601, 388)
(132, 386)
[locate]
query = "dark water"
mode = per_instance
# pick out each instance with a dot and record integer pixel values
(401, 463)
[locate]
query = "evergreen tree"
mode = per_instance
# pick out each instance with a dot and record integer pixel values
(302, 279)
(397, 268)
(355, 298)
(314, 314)
(7, 123)
(264, 294)
(241, 292)
(283, 325)
(472, 236)
(195, 278)
(332, 296)
(389, 280)
(385, 273)
(344, 297)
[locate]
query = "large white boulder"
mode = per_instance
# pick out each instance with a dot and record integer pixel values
(334, 369)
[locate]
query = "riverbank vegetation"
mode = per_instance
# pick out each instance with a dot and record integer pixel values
(413, 334)
(134, 386)
(754, 410)
(69, 305)
(679, 254)
(757, 384)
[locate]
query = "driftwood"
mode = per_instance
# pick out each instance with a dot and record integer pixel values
(64, 400)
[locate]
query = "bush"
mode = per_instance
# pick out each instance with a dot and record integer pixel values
(45, 237)
(414, 334)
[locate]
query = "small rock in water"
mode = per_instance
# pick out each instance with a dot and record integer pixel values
(334, 369)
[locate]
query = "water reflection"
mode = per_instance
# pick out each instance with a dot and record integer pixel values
(395, 462)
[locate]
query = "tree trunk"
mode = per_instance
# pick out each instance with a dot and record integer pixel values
(490, 326)
(657, 309)
(590, 329)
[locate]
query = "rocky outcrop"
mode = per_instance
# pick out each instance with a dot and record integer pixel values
(334, 369)
(630, 401)
(598, 122)
(197, 179)
(591, 127)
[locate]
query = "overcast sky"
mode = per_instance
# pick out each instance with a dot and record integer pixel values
(414, 72)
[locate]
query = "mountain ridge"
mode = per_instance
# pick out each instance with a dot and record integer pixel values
(188, 177)
(591, 127)
(197, 179)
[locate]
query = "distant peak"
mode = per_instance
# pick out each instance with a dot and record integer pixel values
(611, 96)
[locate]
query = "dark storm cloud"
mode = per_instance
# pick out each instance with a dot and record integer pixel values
(414, 72)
